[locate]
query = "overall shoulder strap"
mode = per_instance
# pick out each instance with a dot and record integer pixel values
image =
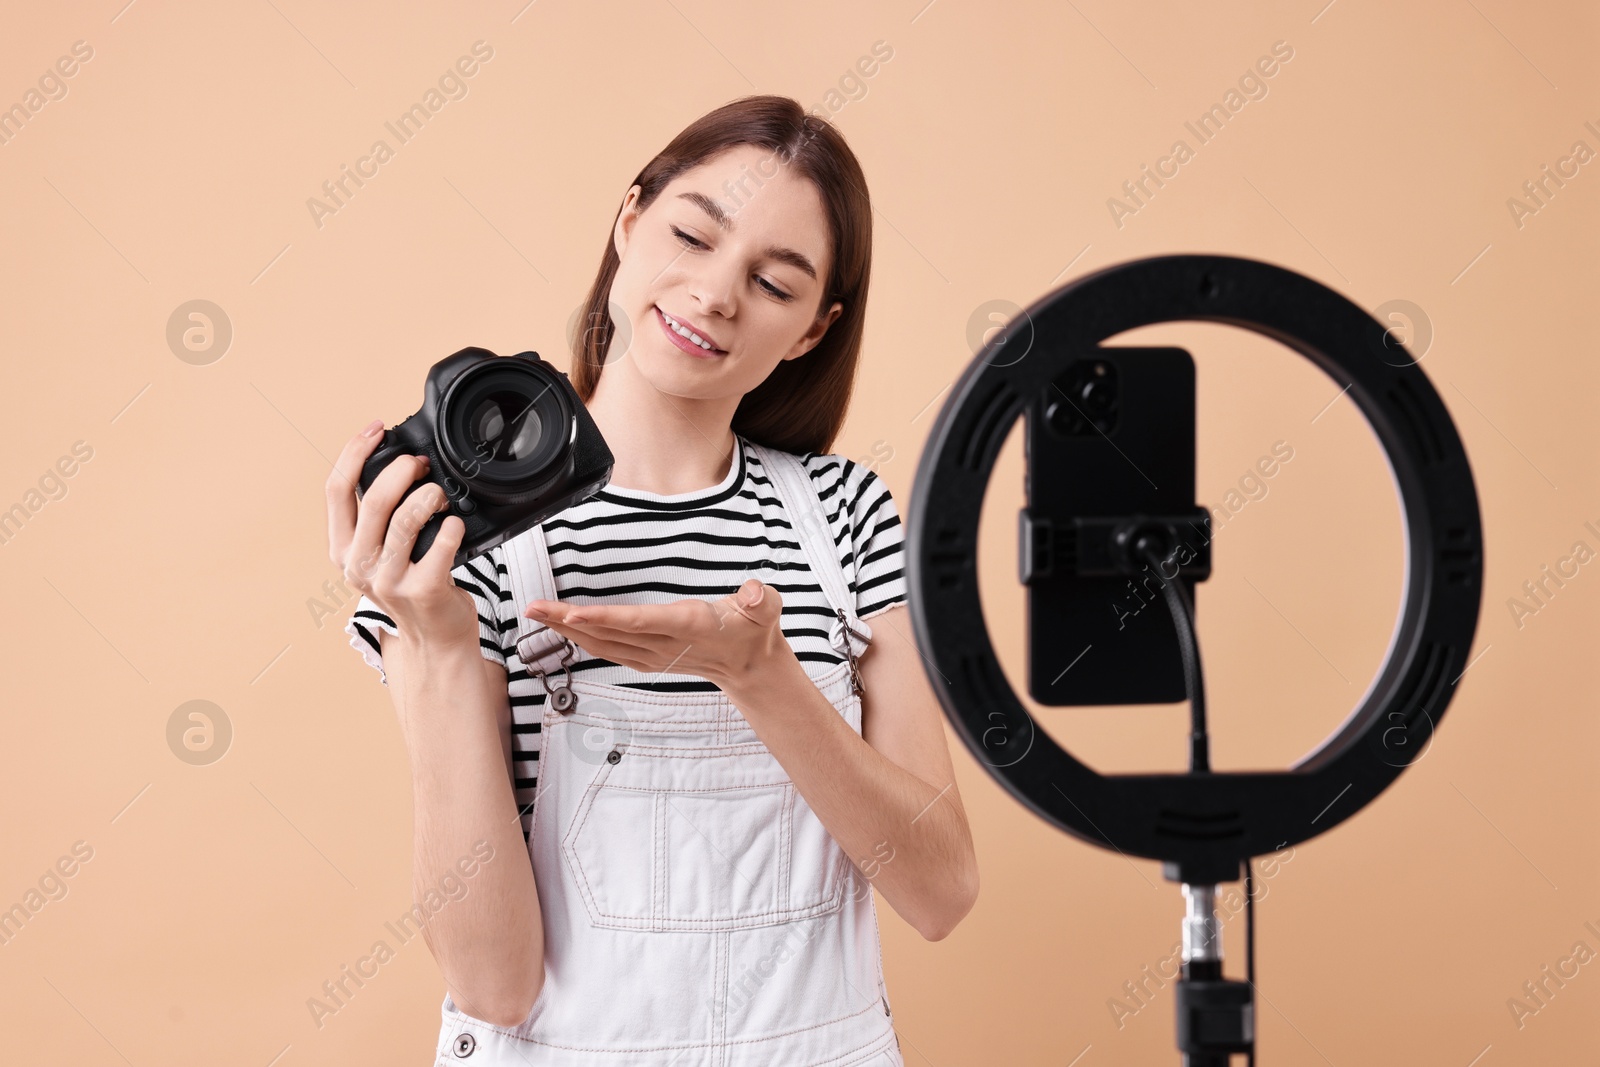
(540, 648)
(798, 493)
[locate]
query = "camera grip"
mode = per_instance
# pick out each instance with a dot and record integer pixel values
(391, 448)
(429, 531)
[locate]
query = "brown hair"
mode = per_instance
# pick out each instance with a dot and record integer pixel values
(801, 404)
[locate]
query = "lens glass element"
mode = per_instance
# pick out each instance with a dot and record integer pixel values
(504, 426)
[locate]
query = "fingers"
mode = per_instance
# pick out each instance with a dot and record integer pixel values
(761, 613)
(604, 621)
(407, 522)
(440, 559)
(646, 624)
(341, 489)
(606, 632)
(365, 561)
(617, 651)
(622, 633)
(636, 619)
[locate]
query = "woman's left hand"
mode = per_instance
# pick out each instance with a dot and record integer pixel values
(723, 641)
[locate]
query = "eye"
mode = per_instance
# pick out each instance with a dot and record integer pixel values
(686, 239)
(768, 286)
(775, 291)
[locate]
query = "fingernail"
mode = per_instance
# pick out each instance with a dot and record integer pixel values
(372, 428)
(537, 613)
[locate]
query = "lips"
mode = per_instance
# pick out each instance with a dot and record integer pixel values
(683, 343)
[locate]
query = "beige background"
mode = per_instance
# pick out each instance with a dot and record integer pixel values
(179, 562)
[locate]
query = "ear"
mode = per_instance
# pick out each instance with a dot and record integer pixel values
(626, 219)
(809, 339)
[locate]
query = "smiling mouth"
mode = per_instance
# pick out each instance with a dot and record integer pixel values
(682, 342)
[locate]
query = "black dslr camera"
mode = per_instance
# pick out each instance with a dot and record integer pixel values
(507, 438)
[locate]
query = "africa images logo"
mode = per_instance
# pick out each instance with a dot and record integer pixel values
(1252, 85)
(452, 85)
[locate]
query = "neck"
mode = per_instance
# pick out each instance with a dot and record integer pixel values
(662, 444)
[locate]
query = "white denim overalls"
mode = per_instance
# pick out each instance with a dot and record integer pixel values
(696, 911)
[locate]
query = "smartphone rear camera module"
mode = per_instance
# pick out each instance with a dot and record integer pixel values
(1083, 400)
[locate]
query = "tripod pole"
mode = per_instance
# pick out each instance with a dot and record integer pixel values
(1216, 1017)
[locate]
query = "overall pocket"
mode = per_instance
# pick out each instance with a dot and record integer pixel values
(669, 838)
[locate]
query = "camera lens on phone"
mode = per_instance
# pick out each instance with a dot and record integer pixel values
(1084, 399)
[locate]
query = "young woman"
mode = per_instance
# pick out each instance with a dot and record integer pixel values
(668, 696)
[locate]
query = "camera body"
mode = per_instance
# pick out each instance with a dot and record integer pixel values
(509, 441)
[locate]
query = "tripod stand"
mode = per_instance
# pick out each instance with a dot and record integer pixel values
(1204, 826)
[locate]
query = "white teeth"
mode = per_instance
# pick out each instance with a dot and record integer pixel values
(684, 332)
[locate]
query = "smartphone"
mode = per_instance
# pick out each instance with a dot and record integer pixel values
(1113, 434)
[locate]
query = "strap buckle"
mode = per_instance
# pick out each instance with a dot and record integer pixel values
(561, 696)
(850, 650)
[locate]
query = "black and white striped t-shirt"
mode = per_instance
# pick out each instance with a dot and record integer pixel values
(625, 546)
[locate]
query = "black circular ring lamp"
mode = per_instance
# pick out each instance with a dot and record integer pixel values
(1203, 826)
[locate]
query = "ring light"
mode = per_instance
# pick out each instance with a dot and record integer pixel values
(1202, 826)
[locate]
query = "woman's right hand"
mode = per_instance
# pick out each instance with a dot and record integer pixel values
(455, 718)
(371, 539)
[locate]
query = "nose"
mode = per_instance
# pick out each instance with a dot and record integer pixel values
(712, 288)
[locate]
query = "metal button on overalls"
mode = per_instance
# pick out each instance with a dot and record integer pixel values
(696, 911)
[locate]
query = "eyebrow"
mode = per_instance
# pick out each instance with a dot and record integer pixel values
(725, 222)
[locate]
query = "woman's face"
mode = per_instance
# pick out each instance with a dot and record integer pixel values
(750, 285)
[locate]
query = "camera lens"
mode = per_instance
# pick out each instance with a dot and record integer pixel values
(506, 428)
(1083, 399)
(1097, 398)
